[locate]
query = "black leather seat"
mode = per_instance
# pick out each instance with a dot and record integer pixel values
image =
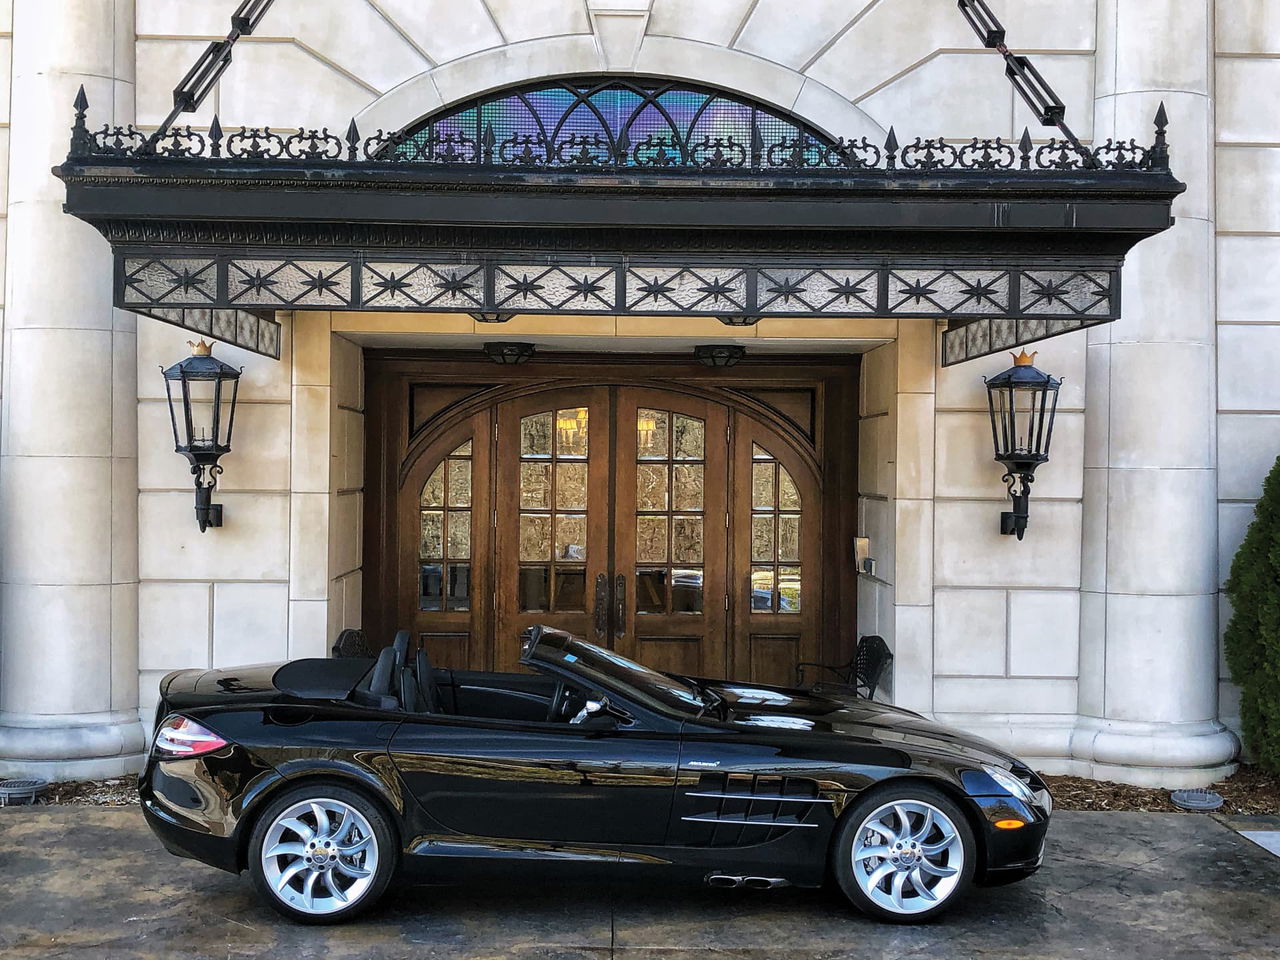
(427, 691)
(379, 690)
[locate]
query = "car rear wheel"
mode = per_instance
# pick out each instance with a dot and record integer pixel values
(321, 853)
(904, 853)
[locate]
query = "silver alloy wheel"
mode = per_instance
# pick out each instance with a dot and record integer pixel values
(320, 856)
(907, 856)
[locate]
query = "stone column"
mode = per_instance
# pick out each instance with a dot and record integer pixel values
(68, 458)
(1148, 646)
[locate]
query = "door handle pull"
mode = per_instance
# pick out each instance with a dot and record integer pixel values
(602, 606)
(620, 607)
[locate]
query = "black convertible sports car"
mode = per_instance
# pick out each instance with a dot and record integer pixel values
(323, 777)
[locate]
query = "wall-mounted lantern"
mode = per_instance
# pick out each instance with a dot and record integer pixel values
(1023, 401)
(206, 411)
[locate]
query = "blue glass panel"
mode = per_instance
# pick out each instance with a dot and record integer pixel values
(659, 122)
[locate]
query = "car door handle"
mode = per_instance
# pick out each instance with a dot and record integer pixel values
(602, 606)
(620, 607)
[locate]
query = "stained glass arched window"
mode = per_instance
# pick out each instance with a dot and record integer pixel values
(617, 122)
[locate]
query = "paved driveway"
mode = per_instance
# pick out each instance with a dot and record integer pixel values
(90, 882)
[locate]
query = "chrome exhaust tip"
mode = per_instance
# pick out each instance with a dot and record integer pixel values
(764, 883)
(723, 881)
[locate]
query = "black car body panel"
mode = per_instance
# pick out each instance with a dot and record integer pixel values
(755, 786)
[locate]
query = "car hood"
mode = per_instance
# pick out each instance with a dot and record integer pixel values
(833, 713)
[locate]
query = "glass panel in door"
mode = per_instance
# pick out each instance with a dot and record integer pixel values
(552, 538)
(669, 520)
(444, 546)
(776, 594)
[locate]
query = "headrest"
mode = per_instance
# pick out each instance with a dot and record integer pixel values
(401, 647)
(383, 668)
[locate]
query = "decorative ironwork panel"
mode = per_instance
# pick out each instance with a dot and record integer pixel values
(421, 285)
(710, 289)
(667, 289)
(992, 308)
(970, 339)
(171, 280)
(949, 291)
(255, 332)
(603, 123)
(854, 291)
(1066, 292)
(588, 289)
(289, 283)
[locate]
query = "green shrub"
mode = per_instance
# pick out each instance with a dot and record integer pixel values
(1252, 639)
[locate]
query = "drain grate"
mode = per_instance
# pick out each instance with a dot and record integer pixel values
(1197, 799)
(15, 793)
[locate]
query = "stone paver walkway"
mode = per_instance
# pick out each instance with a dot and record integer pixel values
(85, 882)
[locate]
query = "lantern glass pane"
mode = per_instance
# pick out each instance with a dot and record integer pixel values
(200, 420)
(230, 390)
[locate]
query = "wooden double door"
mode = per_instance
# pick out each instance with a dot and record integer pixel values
(675, 526)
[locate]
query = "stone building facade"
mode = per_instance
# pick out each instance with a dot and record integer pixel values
(1091, 647)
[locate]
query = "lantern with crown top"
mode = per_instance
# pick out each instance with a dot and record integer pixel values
(1022, 401)
(203, 416)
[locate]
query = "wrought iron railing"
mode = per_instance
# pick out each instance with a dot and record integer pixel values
(585, 153)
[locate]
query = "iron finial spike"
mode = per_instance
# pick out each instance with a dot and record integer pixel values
(81, 141)
(891, 150)
(353, 139)
(1024, 148)
(215, 137)
(1158, 155)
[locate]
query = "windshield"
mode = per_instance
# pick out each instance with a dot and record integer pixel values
(614, 671)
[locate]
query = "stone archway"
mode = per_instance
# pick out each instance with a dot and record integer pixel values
(760, 79)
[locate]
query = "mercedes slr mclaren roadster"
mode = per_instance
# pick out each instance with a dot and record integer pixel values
(323, 778)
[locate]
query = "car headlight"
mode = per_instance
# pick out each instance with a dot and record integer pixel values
(1010, 783)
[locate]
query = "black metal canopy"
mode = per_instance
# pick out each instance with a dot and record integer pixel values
(620, 205)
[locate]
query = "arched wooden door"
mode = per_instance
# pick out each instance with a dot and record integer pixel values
(665, 524)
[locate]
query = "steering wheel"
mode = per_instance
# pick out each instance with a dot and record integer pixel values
(558, 702)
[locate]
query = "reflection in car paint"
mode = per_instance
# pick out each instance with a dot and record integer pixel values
(781, 723)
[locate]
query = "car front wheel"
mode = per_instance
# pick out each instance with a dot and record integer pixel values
(321, 853)
(904, 853)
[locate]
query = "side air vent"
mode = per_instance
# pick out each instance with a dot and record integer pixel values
(731, 810)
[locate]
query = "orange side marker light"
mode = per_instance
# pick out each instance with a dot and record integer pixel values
(1009, 824)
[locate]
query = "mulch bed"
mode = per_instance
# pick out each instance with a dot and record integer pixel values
(1250, 792)
(117, 792)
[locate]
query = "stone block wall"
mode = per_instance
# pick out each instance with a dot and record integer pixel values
(281, 577)
(1247, 154)
(1007, 613)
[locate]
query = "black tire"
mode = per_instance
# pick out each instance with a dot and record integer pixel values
(383, 845)
(917, 909)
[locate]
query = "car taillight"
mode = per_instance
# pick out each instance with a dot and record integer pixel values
(183, 737)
